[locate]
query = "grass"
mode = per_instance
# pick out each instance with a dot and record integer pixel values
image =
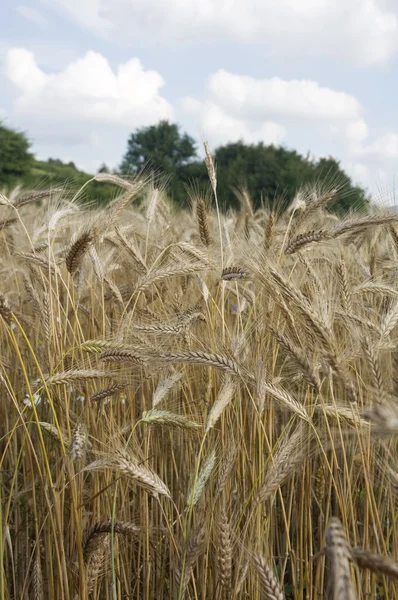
(197, 405)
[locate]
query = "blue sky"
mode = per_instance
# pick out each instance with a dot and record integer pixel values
(314, 75)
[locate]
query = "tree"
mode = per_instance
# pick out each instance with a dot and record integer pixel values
(162, 146)
(274, 174)
(269, 173)
(165, 150)
(15, 158)
(329, 172)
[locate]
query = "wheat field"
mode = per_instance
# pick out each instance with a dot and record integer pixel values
(197, 404)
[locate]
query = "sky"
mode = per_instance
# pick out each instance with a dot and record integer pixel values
(317, 76)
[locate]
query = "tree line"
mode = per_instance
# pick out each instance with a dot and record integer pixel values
(270, 174)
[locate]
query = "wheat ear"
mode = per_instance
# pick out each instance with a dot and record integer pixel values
(339, 554)
(270, 585)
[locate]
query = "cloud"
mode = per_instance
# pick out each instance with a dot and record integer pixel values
(34, 16)
(242, 107)
(86, 109)
(304, 99)
(87, 13)
(218, 127)
(21, 69)
(300, 114)
(359, 172)
(384, 147)
(378, 182)
(87, 89)
(362, 31)
(357, 131)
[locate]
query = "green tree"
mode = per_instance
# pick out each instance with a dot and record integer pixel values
(163, 149)
(269, 173)
(273, 175)
(15, 158)
(349, 197)
(162, 146)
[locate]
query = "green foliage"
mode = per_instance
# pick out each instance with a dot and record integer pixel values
(272, 175)
(330, 173)
(162, 146)
(18, 166)
(15, 158)
(269, 173)
(54, 173)
(167, 152)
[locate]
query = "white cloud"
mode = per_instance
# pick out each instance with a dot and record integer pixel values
(357, 131)
(218, 127)
(242, 107)
(33, 15)
(358, 172)
(88, 13)
(304, 99)
(384, 147)
(363, 31)
(21, 69)
(87, 109)
(87, 89)
(298, 113)
(379, 183)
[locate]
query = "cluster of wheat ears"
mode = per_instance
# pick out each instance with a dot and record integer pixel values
(196, 404)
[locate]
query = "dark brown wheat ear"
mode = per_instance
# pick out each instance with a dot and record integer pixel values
(203, 224)
(303, 239)
(225, 549)
(36, 583)
(77, 250)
